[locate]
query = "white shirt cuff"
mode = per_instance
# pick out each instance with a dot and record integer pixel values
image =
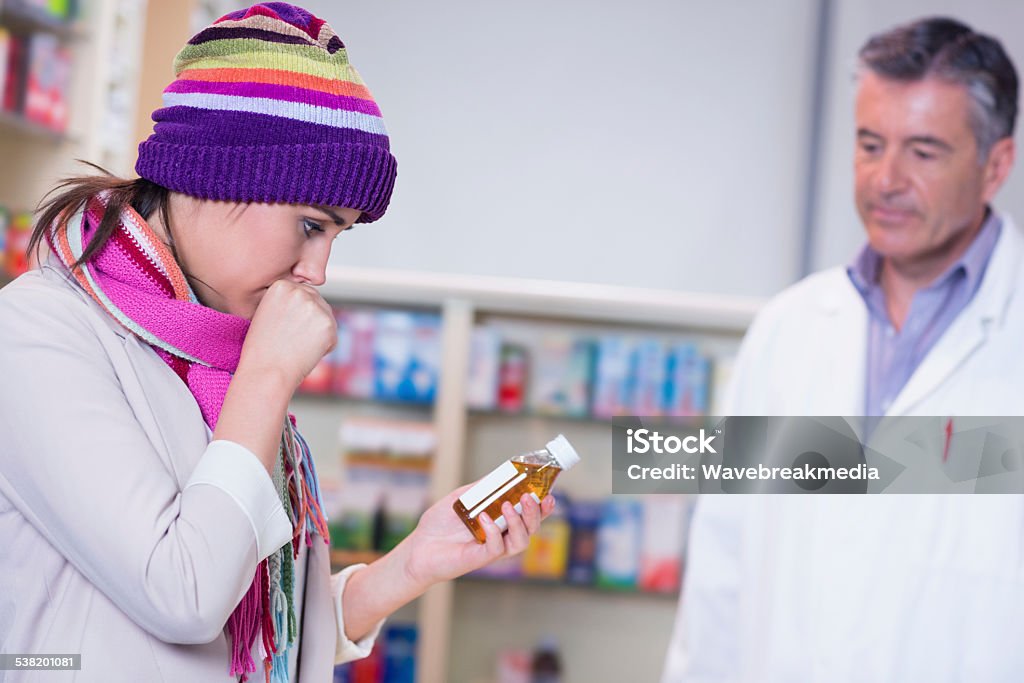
(236, 471)
(345, 650)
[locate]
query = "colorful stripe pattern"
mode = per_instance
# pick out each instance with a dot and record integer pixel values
(136, 280)
(271, 87)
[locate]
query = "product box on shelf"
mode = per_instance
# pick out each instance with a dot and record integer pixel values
(484, 366)
(18, 233)
(14, 81)
(352, 510)
(560, 380)
(584, 519)
(405, 498)
(689, 378)
(56, 10)
(62, 10)
(663, 539)
(5, 48)
(318, 381)
(721, 376)
(614, 377)
(407, 356)
(5, 219)
(46, 83)
(547, 555)
(618, 543)
(352, 359)
(512, 378)
(647, 396)
(400, 653)
(385, 485)
(392, 660)
(514, 666)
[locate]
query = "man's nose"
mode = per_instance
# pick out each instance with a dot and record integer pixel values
(890, 176)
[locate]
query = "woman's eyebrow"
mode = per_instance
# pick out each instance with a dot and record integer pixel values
(333, 214)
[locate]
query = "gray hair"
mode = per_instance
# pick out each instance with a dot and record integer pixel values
(950, 50)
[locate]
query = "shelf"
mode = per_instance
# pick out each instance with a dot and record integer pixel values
(693, 420)
(352, 400)
(24, 18)
(490, 413)
(552, 583)
(543, 298)
(344, 558)
(19, 124)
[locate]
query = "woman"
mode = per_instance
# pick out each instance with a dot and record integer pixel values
(159, 512)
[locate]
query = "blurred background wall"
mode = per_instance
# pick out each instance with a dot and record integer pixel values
(703, 146)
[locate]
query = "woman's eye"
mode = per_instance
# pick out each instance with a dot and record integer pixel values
(309, 226)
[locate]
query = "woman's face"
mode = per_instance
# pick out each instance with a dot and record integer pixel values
(231, 253)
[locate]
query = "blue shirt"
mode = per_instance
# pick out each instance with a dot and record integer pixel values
(893, 355)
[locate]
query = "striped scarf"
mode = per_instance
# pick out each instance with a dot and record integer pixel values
(136, 280)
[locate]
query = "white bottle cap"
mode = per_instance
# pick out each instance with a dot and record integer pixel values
(563, 451)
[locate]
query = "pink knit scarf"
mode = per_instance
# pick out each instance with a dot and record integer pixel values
(136, 279)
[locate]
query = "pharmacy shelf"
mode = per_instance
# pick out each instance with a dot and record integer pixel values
(605, 636)
(545, 298)
(467, 438)
(343, 558)
(554, 584)
(424, 409)
(412, 407)
(694, 420)
(105, 46)
(25, 18)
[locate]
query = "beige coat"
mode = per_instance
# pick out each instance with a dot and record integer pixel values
(126, 535)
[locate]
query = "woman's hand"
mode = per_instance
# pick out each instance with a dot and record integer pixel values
(438, 549)
(442, 548)
(292, 329)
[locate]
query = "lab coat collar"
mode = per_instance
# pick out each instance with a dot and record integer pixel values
(971, 328)
(846, 329)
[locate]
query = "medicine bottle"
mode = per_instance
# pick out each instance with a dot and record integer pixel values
(531, 473)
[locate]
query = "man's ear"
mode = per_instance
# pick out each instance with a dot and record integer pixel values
(997, 167)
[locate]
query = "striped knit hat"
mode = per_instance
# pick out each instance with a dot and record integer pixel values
(267, 108)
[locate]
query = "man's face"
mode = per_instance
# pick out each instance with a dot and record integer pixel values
(920, 187)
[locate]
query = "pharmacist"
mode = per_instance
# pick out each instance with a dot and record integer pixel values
(927, 320)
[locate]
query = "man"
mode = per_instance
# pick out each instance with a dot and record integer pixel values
(927, 320)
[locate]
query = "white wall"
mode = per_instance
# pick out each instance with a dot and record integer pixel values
(839, 232)
(653, 143)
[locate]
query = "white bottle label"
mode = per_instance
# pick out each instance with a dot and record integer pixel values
(487, 489)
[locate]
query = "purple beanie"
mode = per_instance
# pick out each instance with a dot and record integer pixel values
(267, 108)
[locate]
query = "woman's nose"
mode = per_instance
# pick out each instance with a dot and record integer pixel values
(312, 267)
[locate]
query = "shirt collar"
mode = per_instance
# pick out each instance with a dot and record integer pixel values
(866, 266)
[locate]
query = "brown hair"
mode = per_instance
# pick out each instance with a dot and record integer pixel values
(145, 196)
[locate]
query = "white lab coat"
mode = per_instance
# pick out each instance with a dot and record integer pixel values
(862, 588)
